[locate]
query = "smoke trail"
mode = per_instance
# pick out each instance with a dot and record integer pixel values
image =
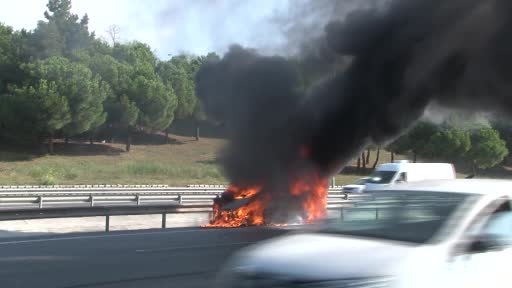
(404, 56)
(256, 97)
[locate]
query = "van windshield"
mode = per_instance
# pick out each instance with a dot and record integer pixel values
(381, 177)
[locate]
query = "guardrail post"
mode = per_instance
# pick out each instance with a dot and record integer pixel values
(333, 182)
(107, 223)
(376, 213)
(40, 202)
(164, 220)
(180, 199)
(138, 199)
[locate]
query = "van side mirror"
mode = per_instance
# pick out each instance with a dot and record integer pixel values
(402, 178)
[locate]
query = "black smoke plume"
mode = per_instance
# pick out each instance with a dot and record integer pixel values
(403, 57)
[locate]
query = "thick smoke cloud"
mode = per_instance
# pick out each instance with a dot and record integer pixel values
(257, 98)
(404, 56)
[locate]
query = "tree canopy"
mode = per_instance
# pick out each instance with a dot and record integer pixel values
(448, 143)
(60, 79)
(84, 91)
(487, 148)
(482, 147)
(34, 111)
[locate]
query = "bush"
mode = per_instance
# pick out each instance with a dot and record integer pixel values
(49, 178)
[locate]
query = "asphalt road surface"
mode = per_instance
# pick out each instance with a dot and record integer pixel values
(158, 258)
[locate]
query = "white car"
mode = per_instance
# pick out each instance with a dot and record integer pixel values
(358, 187)
(446, 233)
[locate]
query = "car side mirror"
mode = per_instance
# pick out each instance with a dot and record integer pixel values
(486, 243)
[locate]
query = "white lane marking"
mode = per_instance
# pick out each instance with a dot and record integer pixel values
(97, 236)
(193, 247)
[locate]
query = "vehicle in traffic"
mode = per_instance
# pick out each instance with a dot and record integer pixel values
(400, 172)
(446, 233)
(357, 187)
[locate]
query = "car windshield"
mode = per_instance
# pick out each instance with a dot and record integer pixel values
(381, 177)
(362, 181)
(405, 216)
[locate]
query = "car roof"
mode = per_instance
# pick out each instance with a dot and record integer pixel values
(468, 186)
(397, 165)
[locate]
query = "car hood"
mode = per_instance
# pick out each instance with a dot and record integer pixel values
(374, 186)
(315, 256)
(353, 188)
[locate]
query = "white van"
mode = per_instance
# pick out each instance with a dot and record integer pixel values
(402, 171)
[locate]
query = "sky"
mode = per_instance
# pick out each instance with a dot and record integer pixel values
(170, 26)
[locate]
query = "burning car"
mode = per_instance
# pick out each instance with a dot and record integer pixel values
(304, 201)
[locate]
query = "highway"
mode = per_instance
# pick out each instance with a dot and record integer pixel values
(150, 258)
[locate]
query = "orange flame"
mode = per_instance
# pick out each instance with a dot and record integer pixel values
(248, 215)
(241, 193)
(311, 189)
(314, 188)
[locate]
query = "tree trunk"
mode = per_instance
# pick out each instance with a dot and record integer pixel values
(364, 161)
(50, 144)
(392, 157)
(197, 132)
(474, 169)
(368, 156)
(376, 159)
(167, 136)
(414, 157)
(129, 141)
(66, 139)
(111, 134)
(91, 140)
(358, 163)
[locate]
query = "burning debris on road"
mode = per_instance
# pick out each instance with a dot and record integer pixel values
(402, 57)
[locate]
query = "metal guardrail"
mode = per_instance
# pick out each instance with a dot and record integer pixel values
(105, 211)
(43, 201)
(114, 186)
(107, 191)
(103, 186)
(11, 203)
(72, 189)
(79, 194)
(34, 202)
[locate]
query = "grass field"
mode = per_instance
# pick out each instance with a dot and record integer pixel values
(184, 161)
